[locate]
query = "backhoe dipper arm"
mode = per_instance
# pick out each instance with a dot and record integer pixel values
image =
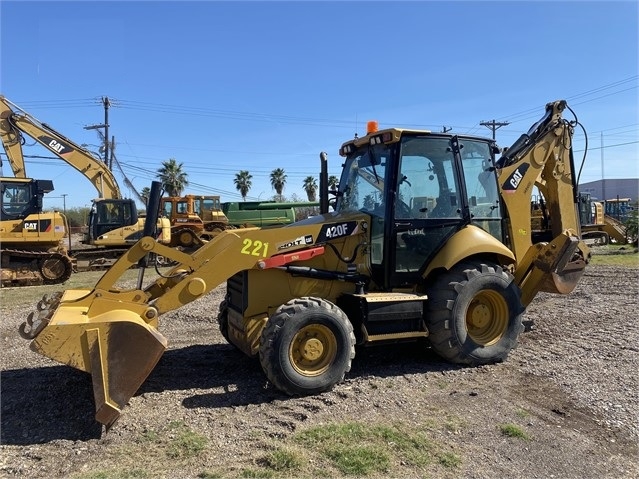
(15, 122)
(543, 159)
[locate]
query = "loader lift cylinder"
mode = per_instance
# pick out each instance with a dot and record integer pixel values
(150, 224)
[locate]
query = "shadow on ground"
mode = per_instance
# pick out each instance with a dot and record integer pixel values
(43, 404)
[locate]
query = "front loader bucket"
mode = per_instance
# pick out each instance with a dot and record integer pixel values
(117, 347)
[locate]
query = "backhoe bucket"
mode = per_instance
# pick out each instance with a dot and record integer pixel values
(117, 347)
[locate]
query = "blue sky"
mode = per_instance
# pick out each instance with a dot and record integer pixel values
(225, 86)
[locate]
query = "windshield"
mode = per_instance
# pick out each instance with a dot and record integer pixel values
(363, 177)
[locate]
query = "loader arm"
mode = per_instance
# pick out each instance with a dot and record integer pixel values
(542, 159)
(15, 123)
(113, 334)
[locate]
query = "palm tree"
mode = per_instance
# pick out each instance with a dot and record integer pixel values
(278, 180)
(310, 186)
(146, 194)
(243, 182)
(333, 182)
(172, 177)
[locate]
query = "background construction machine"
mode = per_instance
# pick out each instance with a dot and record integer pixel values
(33, 251)
(196, 219)
(430, 239)
(113, 222)
(603, 222)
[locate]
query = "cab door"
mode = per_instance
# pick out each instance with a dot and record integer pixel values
(427, 207)
(442, 184)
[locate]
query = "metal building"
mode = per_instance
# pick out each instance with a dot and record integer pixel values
(613, 188)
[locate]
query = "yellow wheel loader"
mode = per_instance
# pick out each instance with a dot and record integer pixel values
(429, 240)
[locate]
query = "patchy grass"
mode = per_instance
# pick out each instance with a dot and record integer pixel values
(210, 475)
(615, 255)
(356, 449)
(153, 450)
(513, 430)
(184, 443)
(114, 474)
(284, 459)
(354, 460)
(449, 460)
(257, 473)
(454, 424)
(349, 449)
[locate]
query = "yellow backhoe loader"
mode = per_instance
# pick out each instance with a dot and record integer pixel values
(114, 224)
(430, 240)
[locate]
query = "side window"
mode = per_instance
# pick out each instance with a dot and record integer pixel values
(15, 198)
(426, 183)
(126, 209)
(168, 209)
(481, 186)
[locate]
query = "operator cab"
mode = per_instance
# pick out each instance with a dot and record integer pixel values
(108, 215)
(419, 189)
(22, 197)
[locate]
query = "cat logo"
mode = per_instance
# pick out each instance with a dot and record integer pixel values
(512, 182)
(56, 146)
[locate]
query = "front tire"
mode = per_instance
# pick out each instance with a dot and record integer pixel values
(475, 314)
(307, 346)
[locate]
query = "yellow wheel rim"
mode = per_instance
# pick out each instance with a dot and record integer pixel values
(487, 317)
(186, 238)
(313, 350)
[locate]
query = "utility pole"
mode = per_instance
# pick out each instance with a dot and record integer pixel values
(494, 125)
(446, 129)
(603, 176)
(107, 104)
(105, 125)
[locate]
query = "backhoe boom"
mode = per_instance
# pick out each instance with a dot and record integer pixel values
(15, 122)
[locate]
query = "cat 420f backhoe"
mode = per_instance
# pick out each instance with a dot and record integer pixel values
(429, 240)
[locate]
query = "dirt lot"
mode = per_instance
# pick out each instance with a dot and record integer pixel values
(565, 404)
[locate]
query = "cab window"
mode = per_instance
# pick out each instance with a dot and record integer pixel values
(15, 198)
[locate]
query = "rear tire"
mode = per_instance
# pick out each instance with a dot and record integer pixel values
(307, 346)
(223, 320)
(475, 314)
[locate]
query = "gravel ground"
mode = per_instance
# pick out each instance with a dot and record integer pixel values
(571, 386)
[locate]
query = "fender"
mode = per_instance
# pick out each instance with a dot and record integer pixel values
(467, 242)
